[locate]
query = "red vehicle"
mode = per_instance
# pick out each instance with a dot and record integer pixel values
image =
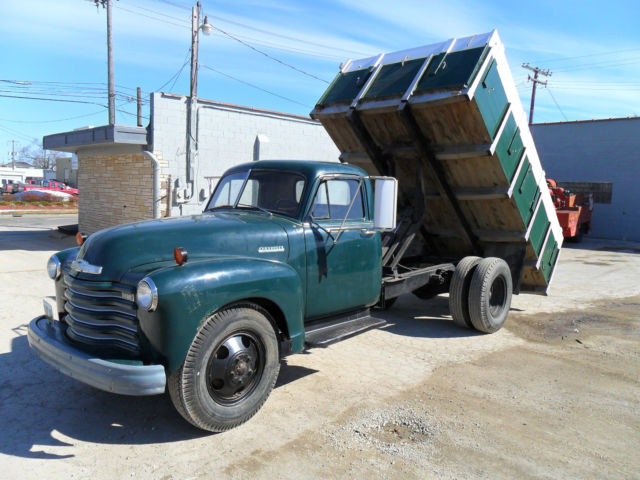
(52, 185)
(574, 211)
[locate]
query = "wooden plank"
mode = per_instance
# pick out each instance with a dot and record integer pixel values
(500, 236)
(459, 152)
(453, 124)
(498, 214)
(482, 193)
(479, 172)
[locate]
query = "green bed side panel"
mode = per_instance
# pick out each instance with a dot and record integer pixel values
(394, 79)
(549, 257)
(526, 192)
(491, 99)
(539, 230)
(510, 148)
(452, 71)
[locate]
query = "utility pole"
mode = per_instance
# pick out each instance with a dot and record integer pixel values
(139, 105)
(536, 71)
(13, 154)
(193, 96)
(192, 145)
(112, 96)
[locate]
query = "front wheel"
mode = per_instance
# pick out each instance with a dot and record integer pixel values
(229, 371)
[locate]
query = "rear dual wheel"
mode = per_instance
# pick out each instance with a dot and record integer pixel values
(480, 293)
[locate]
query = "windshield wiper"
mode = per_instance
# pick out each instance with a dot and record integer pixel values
(242, 205)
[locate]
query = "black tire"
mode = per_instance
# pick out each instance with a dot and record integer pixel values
(490, 295)
(229, 371)
(459, 291)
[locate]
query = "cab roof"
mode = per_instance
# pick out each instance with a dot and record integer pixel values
(310, 169)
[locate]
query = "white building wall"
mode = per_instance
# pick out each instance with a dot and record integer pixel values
(598, 151)
(228, 135)
(19, 174)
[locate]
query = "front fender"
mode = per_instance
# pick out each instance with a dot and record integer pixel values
(190, 293)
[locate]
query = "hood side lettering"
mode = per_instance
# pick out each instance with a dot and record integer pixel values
(275, 249)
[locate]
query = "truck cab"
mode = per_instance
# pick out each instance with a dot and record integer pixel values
(284, 255)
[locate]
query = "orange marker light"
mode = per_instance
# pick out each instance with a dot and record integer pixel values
(180, 255)
(80, 238)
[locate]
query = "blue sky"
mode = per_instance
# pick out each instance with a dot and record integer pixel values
(592, 48)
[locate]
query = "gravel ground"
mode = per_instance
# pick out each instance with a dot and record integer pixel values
(552, 395)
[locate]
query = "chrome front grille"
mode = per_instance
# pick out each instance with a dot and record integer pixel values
(101, 314)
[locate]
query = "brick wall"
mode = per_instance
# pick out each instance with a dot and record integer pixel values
(115, 189)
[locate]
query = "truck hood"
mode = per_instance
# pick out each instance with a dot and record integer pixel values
(146, 245)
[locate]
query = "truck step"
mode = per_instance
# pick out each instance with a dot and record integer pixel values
(327, 332)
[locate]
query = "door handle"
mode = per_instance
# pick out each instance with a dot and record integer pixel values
(367, 232)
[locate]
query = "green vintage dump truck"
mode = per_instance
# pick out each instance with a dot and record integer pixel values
(289, 255)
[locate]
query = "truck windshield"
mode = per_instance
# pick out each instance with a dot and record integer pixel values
(272, 191)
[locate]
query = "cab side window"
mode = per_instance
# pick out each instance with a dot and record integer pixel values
(333, 198)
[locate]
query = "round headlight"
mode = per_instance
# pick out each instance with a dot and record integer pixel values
(147, 295)
(54, 267)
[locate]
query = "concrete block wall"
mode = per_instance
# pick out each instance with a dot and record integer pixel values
(228, 135)
(115, 189)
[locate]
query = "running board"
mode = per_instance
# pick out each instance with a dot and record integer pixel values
(325, 333)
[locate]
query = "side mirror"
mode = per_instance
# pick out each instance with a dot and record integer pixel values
(385, 202)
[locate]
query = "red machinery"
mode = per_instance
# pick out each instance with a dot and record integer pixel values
(574, 210)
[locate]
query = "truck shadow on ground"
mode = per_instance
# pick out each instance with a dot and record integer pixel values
(35, 240)
(423, 319)
(44, 414)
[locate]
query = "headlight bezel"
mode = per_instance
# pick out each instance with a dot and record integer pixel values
(54, 267)
(147, 299)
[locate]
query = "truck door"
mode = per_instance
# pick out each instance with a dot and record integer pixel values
(343, 265)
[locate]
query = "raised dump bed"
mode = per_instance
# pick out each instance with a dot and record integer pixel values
(446, 120)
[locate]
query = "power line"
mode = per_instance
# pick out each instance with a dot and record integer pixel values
(564, 59)
(268, 32)
(177, 74)
(254, 86)
(557, 105)
(286, 37)
(270, 56)
(52, 121)
(59, 84)
(603, 64)
(13, 132)
(52, 99)
(153, 18)
(266, 43)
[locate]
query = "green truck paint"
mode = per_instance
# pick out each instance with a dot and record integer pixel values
(289, 255)
(449, 114)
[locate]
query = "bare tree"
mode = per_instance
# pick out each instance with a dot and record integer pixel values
(39, 157)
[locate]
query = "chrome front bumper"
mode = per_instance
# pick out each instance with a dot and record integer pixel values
(47, 339)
